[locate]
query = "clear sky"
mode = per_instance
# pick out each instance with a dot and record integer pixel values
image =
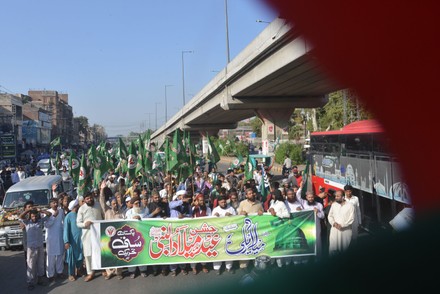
(114, 57)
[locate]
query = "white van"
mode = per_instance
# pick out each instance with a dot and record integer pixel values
(37, 189)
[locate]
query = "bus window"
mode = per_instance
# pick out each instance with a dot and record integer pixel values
(359, 143)
(380, 144)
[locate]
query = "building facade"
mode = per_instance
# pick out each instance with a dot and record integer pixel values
(57, 104)
(37, 125)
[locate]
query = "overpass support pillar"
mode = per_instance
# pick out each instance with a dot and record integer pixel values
(274, 121)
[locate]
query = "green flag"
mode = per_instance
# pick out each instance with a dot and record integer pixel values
(162, 147)
(57, 164)
(140, 156)
(55, 142)
(264, 184)
(49, 169)
(96, 178)
(131, 161)
(190, 151)
(171, 156)
(184, 172)
(305, 179)
(122, 166)
(178, 148)
(159, 161)
(91, 154)
(248, 169)
(104, 157)
(148, 161)
(100, 162)
(236, 161)
(74, 166)
(146, 140)
(122, 150)
(213, 154)
(83, 178)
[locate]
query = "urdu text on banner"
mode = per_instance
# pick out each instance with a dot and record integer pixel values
(207, 239)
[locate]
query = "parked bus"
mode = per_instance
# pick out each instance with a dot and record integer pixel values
(358, 155)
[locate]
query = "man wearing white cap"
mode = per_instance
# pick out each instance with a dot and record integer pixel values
(127, 206)
(72, 242)
(87, 214)
(112, 184)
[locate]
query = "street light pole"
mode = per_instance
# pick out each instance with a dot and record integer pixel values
(156, 115)
(149, 121)
(227, 32)
(183, 76)
(166, 105)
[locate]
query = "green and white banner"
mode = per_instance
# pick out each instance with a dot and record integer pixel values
(172, 241)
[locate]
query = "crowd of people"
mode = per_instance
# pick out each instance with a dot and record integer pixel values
(209, 193)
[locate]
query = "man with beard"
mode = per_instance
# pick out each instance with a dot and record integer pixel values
(250, 206)
(158, 209)
(200, 210)
(341, 217)
(291, 202)
(54, 241)
(348, 190)
(112, 212)
(223, 210)
(233, 200)
(279, 209)
(293, 205)
(112, 184)
(310, 204)
(136, 213)
(72, 242)
(294, 177)
(88, 213)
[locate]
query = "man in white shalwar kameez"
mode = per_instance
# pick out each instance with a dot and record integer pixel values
(348, 190)
(223, 210)
(87, 213)
(279, 209)
(54, 241)
(310, 204)
(341, 217)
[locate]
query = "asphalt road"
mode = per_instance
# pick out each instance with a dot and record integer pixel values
(13, 278)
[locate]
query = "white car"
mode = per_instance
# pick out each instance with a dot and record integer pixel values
(44, 165)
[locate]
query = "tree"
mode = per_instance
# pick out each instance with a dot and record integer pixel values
(256, 124)
(83, 123)
(332, 116)
(98, 133)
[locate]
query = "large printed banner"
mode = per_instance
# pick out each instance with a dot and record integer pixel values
(207, 239)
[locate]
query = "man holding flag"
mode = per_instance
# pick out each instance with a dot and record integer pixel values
(308, 202)
(264, 184)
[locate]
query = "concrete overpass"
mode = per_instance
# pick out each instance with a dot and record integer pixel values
(271, 77)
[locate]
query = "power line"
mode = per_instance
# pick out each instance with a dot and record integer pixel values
(7, 90)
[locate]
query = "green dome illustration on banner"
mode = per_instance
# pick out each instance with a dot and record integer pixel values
(290, 237)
